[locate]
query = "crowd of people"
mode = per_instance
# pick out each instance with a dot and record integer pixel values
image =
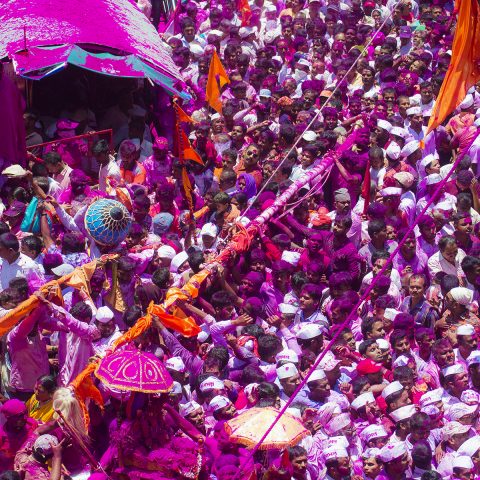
(397, 394)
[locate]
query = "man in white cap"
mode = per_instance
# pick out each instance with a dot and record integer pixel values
(431, 186)
(467, 342)
(401, 416)
(337, 463)
(289, 379)
(463, 468)
(453, 435)
(471, 448)
(222, 408)
(473, 363)
(310, 337)
(318, 392)
(405, 181)
(195, 414)
(455, 383)
(395, 459)
(109, 331)
(343, 208)
(457, 312)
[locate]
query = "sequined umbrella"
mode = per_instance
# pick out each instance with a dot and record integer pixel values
(134, 370)
(250, 426)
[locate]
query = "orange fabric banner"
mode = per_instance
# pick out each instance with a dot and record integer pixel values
(182, 116)
(246, 12)
(189, 153)
(464, 69)
(186, 326)
(217, 78)
(84, 388)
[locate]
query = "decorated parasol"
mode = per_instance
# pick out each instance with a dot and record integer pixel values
(135, 371)
(249, 427)
(107, 221)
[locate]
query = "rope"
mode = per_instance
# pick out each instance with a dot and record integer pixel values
(354, 310)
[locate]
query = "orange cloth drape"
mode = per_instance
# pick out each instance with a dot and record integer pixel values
(217, 79)
(464, 69)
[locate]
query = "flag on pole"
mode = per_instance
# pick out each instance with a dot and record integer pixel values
(217, 78)
(245, 12)
(464, 69)
(182, 148)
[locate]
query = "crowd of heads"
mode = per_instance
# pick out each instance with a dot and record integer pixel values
(354, 309)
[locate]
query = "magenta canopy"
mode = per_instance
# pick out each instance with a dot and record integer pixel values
(112, 37)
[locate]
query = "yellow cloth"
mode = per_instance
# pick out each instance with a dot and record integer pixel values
(42, 413)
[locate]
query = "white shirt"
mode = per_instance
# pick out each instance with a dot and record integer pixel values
(110, 170)
(436, 263)
(23, 266)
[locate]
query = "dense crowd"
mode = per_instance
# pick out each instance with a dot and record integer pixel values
(397, 395)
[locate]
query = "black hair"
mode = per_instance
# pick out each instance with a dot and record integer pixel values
(48, 382)
(161, 277)
(220, 354)
(267, 394)
(268, 345)
(4, 228)
(252, 374)
(81, 310)
(422, 454)
(33, 242)
(10, 241)
(101, 146)
(195, 259)
(131, 315)
(20, 284)
(403, 373)
(296, 451)
(362, 348)
(52, 158)
(367, 325)
(358, 384)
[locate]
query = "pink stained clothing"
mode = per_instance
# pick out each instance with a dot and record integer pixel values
(418, 263)
(11, 442)
(433, 370)
(28, 354)
(74, 348)
(29, 468)
(12, 129)
(157, 171)
(63, 178)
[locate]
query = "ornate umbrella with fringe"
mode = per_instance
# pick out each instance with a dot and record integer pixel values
(249, 427)
(135, 371)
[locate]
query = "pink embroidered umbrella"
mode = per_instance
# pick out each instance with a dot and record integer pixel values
(134, 370)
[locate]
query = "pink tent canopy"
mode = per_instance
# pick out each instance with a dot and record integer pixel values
(112, 37)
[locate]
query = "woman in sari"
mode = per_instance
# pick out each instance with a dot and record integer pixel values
(40, 404)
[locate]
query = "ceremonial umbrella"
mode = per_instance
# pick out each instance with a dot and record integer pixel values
(134, 370)
(250, 426)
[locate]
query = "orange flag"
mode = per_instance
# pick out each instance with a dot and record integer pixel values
(464, 69)
(189, 153)
(246, 12)
(182, 148)
(182, 116)
(217, 78)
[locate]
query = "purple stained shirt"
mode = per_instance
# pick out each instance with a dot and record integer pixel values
(418, 263)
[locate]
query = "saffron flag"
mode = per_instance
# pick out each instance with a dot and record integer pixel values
(245, 11)
(182, 148)
(182, 116)
(464, 69)
(217, 78)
